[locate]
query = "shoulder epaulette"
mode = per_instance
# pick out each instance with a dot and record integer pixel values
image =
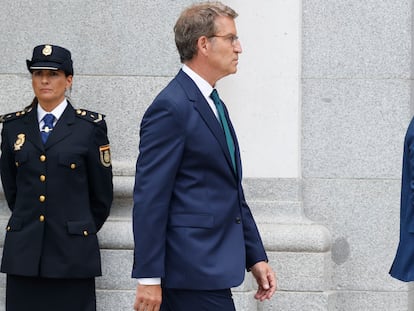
(91, 116)
(15, 115)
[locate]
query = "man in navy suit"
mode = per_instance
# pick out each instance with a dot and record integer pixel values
(194, 232)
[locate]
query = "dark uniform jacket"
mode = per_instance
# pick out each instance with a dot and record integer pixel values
(59, 193)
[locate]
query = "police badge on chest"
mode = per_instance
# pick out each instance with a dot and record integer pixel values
(21, 138)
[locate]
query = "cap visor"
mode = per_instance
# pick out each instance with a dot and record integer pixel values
(48, 66)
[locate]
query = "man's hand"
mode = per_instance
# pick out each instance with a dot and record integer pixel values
(265, 278)
(148, 298)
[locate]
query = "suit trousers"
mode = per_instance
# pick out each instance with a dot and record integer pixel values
(200, 300)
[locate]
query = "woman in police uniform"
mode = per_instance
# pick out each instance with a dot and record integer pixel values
(57, 179)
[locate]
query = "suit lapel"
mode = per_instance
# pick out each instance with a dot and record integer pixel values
(201, 105)
(62, 128)
(32, 131)
(236, 143)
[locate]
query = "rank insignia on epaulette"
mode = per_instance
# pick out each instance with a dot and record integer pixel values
(105, 155)
(91, 116)
(14, 115)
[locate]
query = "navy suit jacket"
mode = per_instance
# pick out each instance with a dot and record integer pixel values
(59, 194)
(192, 226)
(403, 265)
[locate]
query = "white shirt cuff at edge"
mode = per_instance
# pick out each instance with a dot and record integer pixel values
(149, 281)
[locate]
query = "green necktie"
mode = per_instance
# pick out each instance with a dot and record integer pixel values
(223, 120)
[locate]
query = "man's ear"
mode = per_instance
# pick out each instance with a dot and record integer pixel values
(203, 44)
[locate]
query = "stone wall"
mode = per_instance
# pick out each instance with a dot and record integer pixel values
(356, 105)
(327, 205)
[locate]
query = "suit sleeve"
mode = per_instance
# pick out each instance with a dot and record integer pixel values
(255, 250)
(160, 153)
(8, 169)
(100, 176)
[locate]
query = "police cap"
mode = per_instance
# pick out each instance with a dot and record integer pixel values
(51, 57)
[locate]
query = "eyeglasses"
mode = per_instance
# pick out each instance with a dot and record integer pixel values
(233, 39)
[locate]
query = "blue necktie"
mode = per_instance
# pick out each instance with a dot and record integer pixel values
(47, 126)
(223, 120)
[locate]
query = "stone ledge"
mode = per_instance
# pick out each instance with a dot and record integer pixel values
(373, 300)
(259, 189)
(123, 186)
(299, 237)
(301, 301)
(295, 271)
(289, 236)
(295, 237)
(282, 224)
(301, 271)
(302, 280)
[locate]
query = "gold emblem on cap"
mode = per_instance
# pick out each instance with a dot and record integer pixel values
(19, 142)
(47, 50)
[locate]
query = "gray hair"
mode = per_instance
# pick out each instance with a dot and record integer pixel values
(196, 21)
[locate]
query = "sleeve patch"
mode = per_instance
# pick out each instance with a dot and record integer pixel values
(105, 155)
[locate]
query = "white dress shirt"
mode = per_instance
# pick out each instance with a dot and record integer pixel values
(204, 87)
(57, 113)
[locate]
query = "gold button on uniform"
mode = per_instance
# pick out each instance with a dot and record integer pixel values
(41, 218)
(42, 158)
(42, 178)
(42, 198)
(85, 233)
(73, 166)
(17, 164)
(8, 228)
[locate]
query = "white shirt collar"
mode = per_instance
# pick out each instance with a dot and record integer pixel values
(57, 112)
(204, 87)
